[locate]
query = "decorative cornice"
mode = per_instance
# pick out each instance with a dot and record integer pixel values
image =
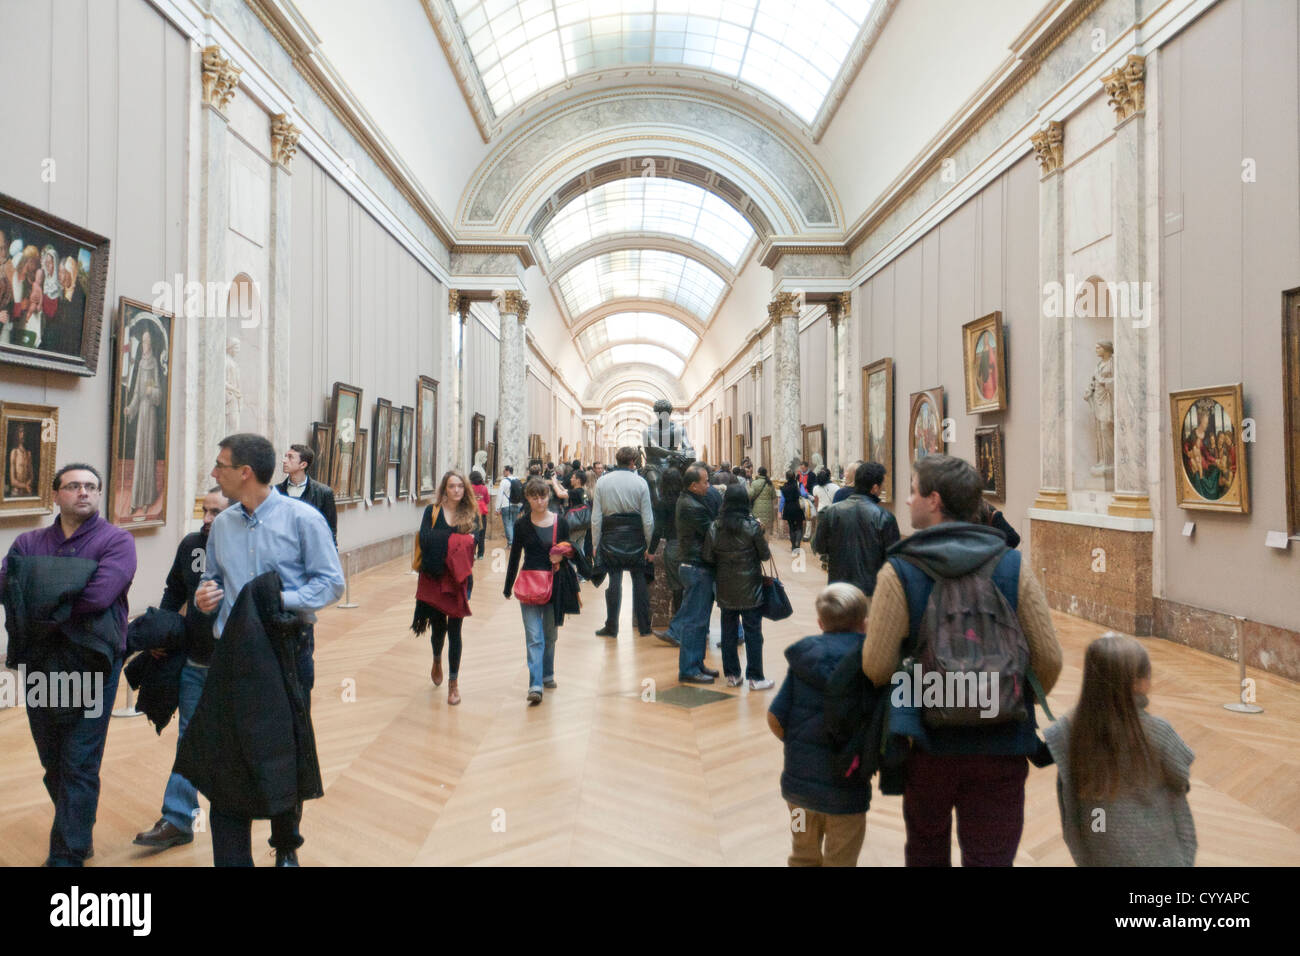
(1049, 146)
(779, 250)
(284, 140)
(220, 79)
(1126, 88)
(523, 250)
(783, 304)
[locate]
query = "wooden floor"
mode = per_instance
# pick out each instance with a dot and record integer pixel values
(599, 775)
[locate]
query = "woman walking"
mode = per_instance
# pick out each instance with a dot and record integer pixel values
(736, 547)
(480, 493)
(792, 493)
(547, 583)
(444, 556)
(762, 498)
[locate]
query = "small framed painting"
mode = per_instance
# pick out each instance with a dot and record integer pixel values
(878, 420)
(406, 435)
(984, 361)
(1209, 454)
(382, 429)
(138, 468)
(426, 428)
(747, 423)
(358, 489)
(814, 443)
(30, 434)
(322, 446)
(395, 435)
(989, 461)
(765, 456)
(925, 424)
(345, 408)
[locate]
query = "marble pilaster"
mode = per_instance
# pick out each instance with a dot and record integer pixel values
(458, 307)
(512, 405)
(1052, 319)
(284, 145)
(783, 311)
(834, 381)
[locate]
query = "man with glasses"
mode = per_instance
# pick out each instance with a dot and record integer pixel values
(71, 745)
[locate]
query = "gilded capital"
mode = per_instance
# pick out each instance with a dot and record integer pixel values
(220, 79)
(1126, 88)
(839, 306)
(453, 300)
(1049, 146)
(284, 140)
(514, 303)
(782, 305)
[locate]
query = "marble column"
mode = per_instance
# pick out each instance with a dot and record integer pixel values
(837, 311)
(276, 307)
(513, 404)
(783, 312)
(1048, 145)
(459, 305)
(850, 384)
(220, 80)
(1126, 87)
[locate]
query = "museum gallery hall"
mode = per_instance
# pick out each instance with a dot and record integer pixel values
(445, 259)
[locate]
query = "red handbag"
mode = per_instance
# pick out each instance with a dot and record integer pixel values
(534, 587)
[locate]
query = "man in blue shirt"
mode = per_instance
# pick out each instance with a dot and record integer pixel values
(265, 531)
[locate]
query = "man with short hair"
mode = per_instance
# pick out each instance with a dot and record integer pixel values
(850, 474)
(855, 533)
(71, 745)
(979, 770)
(181, 800)
(265, 531)
(510, 489)
(297, 461)
(622, 523)
(697, 506)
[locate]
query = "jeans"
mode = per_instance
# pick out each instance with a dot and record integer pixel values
(71, 748)
(988, 793)
(690, 625)
(640, 599)
(480, 537)
(795, 527)
(753, 638)
(509, 515)
(539, 637)
(181, 801)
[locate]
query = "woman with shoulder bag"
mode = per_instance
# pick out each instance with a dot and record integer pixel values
(762, 498)
(736, 547)
(444, 556)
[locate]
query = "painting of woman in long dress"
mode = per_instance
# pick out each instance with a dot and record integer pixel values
(141, 415)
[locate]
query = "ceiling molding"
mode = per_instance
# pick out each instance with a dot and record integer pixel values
(523, 249)
(851, 67)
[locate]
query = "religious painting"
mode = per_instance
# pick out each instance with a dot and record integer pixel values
(878, 420)
(407, 436)
(984, 360)
(395, 435)
(814, 443)
(477, 435)
(52, 279)
(426, 428)
(138, 467)
(345, 410)
(322, 446)
(1209, 452)
(765, 456)
(747, 424)
(30, 434)
(1291, 404)
(989, 461)
(381, 428)
(358, 489)
(925, 424)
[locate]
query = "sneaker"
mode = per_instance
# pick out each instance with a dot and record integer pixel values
(734, 680)
(550, 684)
(764, 684)
(534, 697)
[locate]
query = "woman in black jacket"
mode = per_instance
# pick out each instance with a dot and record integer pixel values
(792, 508)
(737, 549)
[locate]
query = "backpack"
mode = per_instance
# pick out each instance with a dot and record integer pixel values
(970, 636)
(516, 491)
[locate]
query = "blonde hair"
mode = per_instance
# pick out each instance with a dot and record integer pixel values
(841, 607)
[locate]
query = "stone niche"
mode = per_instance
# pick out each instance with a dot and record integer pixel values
(1091, 397)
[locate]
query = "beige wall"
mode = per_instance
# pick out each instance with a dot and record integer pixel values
(1228, 94)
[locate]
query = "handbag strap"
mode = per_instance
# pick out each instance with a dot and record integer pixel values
(772, 562)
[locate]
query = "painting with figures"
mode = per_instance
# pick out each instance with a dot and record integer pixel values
(925, 424)
(989, 461)
(984, 349)
(1209, 450)
(426, 428)
(382, 430)
(30, 435)
(345, 407)
(141, 415)
(878, 420)
(406, 435)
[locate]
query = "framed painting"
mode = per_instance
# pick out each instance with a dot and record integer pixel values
(814, 443)
(737, 449)
(395, 435)
(358, 489)
(984, 361)
(345, 409)
(426, 427)
(406, 434)
(726, 442)
(878, 420)
(1291, 404)
(747, 426)
(382, 429)
(138, 467)
(765, 455)
(30, 434)
(535, 447)
(717, 443)
(477, 435)
(925, 424)
(1209, 454)
(989, 461)
(322, 446)
(491, 462)
(52, 279)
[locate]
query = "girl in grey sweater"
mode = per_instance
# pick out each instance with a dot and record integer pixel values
(1122, 774)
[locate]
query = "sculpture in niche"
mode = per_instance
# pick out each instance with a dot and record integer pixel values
(1100, 397)
(234, 397)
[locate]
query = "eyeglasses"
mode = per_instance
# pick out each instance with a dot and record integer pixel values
(221, 464)
(76, 486)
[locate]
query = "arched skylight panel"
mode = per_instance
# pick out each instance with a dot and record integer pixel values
(650, 204)
(648, 354)
(641, 274)
(643, 326)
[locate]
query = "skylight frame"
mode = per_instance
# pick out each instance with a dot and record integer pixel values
(641, 274)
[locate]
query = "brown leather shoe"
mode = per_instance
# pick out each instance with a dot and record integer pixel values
(453, 693)
(436, 673)
(162, 836)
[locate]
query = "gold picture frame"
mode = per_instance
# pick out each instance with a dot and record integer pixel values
(925, 423)
(984, 363)
(878, 420)
(1210, 472)
(139, 465)
(990, 461)
(27, 485)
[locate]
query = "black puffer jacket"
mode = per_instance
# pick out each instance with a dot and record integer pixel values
(737, 556)
(694, 515)
(854, 535)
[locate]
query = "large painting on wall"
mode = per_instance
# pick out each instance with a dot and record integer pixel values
(382, 429)
(878, 420)
(984, 352)
(138, 470)
(30, 434)
(426, 454)
(345, 409)
(925, 424)
(1209, 454)
(407, 456)
(52, 278)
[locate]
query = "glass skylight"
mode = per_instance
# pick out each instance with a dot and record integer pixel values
(642, 326)
(641, 274)
(627, 354)
(650, 204)
(789, 49)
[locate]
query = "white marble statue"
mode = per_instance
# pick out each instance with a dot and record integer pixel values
(1100, 397)
(234, 397)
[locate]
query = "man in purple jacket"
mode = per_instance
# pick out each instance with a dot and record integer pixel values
(71, 748)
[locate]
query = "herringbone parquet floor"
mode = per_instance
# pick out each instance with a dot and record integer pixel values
(602, 774)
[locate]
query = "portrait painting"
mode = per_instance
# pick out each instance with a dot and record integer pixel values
(925, 423)
(814, 443)
(984, 353)
(878, 420)
(30, 434)
(989, 461)
(426, 428)
(358, 489)
(407, 435)
(345, 407)
(395, 435)
(477, 435)
(1209, 451)
(52, 279)
(765, 456)
(322, 446)
(382, 429)
(747, 423)
(138, 468)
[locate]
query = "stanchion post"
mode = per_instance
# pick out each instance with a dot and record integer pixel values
(129, 710)
(1242, 705)
(348, 603)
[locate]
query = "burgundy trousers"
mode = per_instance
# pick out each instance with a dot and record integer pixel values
(988, 793)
